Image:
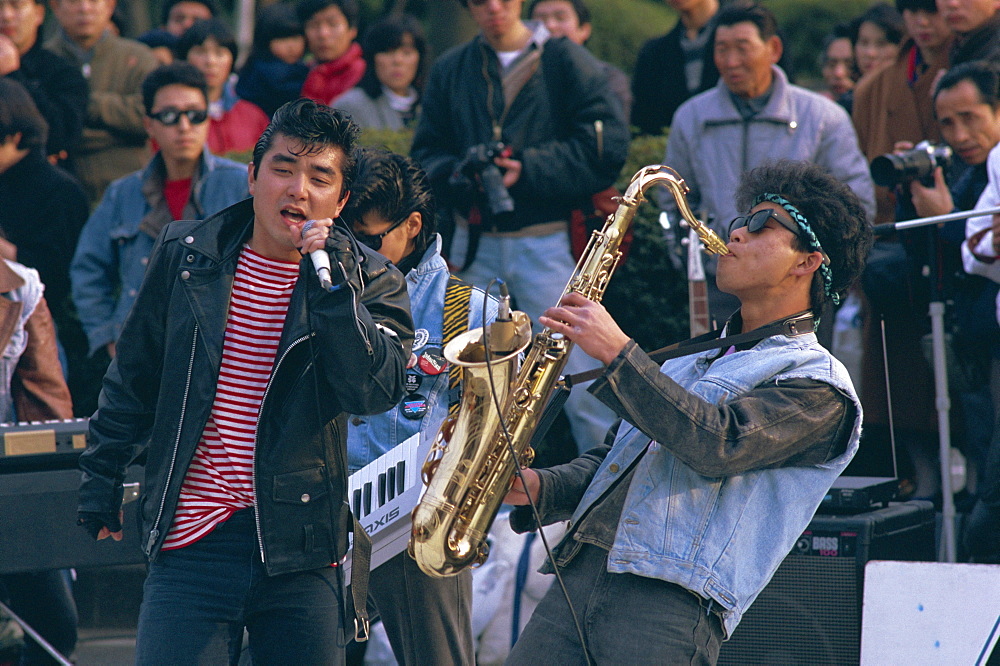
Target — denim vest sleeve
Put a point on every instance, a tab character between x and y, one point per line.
771	425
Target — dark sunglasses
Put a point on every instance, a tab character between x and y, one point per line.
754	222
170	116
375	241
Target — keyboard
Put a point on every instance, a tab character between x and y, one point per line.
42	445
382	495
40	480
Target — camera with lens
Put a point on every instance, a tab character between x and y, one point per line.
479	161
917	163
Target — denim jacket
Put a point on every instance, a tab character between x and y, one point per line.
368	437
721	538
112	253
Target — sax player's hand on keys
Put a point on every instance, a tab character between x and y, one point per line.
517	495
588	325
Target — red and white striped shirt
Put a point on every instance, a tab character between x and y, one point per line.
220	478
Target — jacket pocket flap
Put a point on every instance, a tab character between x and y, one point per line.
300	487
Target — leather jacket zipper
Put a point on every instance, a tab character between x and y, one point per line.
256	441
357	322
155	532
354	302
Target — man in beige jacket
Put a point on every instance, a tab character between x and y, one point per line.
114	139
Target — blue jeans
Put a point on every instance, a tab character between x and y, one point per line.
626	619
198	599
536	269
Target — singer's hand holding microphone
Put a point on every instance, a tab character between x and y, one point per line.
318	238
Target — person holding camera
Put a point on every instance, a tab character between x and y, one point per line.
967	109
518	129
967	105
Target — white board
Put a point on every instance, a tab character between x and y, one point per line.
919	613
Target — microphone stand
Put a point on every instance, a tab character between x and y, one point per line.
942	400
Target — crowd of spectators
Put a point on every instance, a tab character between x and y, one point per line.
105	140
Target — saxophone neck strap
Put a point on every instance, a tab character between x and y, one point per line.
793	326
457	303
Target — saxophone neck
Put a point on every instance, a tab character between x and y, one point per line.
658	174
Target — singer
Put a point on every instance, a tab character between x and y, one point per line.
722	457
234	375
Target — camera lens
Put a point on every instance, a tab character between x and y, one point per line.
888	170
915	164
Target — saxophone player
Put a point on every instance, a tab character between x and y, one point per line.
721	458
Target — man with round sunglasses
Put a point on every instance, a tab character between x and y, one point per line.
183	181
722	457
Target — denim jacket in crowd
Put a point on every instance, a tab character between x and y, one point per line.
112	253
368	437
722	538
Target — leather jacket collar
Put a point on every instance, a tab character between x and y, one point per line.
221	235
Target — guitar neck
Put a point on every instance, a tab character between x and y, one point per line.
698	307
698	316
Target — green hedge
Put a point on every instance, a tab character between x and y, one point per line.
621	26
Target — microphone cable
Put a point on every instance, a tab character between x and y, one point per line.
517	472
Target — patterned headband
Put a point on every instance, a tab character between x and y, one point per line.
824	270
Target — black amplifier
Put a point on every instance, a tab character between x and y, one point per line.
39	488
810	612
38	529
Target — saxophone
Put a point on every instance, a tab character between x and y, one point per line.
474	456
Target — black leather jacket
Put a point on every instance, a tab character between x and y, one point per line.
159	390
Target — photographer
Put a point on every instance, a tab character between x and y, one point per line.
967	110
518	129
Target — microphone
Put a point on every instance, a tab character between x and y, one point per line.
320	261
503	310
503	331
